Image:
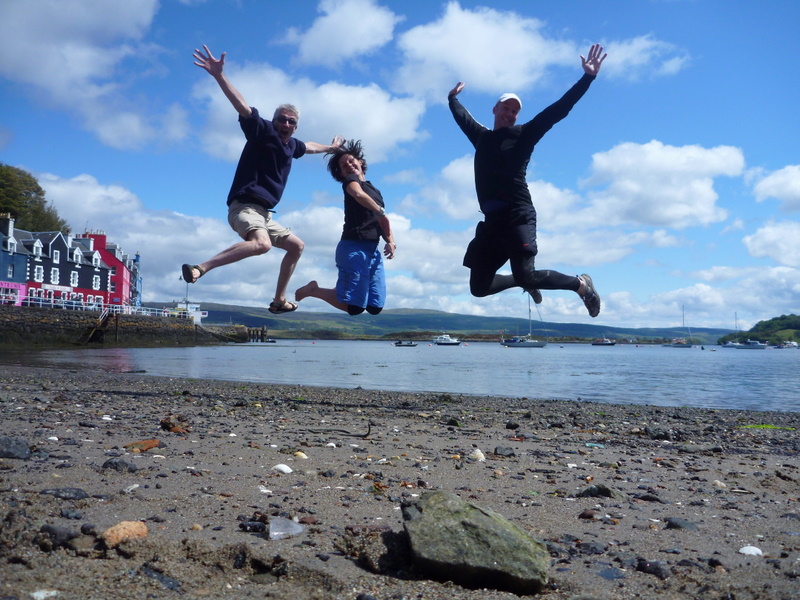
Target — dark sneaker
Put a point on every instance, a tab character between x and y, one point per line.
536	295
591	298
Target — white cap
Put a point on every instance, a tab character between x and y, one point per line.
510	96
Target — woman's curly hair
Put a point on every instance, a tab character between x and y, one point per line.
352	147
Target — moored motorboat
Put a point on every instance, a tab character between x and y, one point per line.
603	342
405	344
752	345
446	340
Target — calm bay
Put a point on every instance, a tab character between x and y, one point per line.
708	377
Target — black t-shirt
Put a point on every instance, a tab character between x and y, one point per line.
360	223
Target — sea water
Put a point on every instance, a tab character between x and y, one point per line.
706	377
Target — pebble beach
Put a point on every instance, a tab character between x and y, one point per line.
123	485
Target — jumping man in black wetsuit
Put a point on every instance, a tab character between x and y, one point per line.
508	231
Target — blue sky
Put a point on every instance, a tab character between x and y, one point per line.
675	182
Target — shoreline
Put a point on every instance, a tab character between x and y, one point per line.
734	475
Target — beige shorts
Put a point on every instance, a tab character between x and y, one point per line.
245	217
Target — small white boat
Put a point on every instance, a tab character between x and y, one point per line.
405	344
446	340
753	345
731	345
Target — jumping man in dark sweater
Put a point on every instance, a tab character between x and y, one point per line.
258	184
508	231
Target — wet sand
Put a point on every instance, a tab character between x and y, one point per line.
689	489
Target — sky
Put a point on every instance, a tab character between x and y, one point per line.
674	182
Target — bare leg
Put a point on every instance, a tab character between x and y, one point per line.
257	242
312	290
294	249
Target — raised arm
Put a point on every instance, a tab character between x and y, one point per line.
367	202
591	66
315	148
214	67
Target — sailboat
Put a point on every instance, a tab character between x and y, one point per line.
731	343
525	341
681	342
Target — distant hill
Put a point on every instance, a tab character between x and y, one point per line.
421	323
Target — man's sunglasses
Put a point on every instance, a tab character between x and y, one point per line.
282	119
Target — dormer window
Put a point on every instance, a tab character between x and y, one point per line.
96	260
37	249
76	256
56	256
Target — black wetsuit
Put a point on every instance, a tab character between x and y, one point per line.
508	231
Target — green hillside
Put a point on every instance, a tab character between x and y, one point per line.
421	324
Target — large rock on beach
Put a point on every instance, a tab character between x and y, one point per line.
454	540
14	448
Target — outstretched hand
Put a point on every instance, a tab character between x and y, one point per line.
208	62
591	65
456	90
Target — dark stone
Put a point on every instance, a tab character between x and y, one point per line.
165	580
654	567
504	451
612	573
601	491
121	465
678	523
253	526
66	493
56	537
14	448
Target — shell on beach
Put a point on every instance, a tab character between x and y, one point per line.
751	551
282	468
477	455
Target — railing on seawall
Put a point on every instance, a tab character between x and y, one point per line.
105	309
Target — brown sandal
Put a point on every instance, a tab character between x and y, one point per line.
188	275
278	308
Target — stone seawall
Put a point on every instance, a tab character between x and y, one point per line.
51	327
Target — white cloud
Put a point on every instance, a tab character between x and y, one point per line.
451	193
643	56
658	185
347	29
778	242
475	45
75	60
365	112
783	185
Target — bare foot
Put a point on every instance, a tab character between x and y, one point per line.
306	291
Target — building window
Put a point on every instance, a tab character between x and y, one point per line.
37	250
56	256
54	276
38	274
76	256
112	287
73	279
12	246
96	260
96	282
11	271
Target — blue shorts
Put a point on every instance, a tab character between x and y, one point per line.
362	281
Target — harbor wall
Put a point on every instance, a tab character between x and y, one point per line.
35	327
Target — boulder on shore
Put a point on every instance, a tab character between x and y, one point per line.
454	540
